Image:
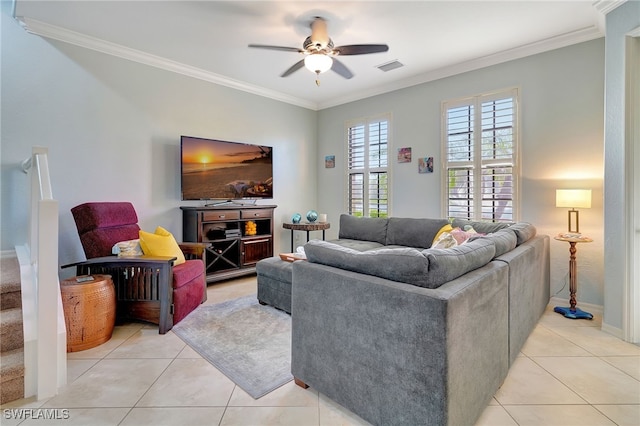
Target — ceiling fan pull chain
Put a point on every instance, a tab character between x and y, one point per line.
317	79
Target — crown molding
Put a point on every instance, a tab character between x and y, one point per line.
552	43
606	6
54	32
78	39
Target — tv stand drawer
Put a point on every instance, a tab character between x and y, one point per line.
255	214
220	215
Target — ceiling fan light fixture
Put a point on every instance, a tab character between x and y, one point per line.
318	63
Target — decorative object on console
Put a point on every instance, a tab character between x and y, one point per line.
312	216
322	218
296	218
250	228
573	198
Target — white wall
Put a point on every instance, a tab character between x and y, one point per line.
562	116
113	130
620	21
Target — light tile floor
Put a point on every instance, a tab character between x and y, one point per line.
568	373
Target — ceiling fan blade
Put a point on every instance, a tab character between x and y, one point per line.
341	69
295	67
281	48
361	49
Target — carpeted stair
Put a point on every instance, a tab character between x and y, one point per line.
11	334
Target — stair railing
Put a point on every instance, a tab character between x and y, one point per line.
45	332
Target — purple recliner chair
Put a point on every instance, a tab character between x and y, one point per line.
147	288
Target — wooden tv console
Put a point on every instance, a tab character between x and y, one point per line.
235	245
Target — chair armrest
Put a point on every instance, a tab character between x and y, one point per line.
123	260
193	250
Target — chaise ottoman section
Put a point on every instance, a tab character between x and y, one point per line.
274	283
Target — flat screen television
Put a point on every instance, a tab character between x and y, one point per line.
212	169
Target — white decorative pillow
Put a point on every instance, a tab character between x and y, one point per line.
445	240
127	248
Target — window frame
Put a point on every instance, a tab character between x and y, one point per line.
366	122
477	163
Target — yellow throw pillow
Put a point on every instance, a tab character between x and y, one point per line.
445	228
161	243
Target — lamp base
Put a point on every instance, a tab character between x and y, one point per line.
575	313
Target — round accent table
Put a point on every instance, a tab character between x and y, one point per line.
316	226
89	304
573	311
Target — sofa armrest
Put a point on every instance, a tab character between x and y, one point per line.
395	353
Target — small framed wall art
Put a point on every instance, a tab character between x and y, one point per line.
329	161
404	155
425	165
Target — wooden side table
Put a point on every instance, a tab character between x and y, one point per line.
319	226
572	311
89	311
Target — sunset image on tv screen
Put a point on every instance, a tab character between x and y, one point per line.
213	169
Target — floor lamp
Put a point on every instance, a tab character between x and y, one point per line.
573	198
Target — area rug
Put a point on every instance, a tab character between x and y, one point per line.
248	342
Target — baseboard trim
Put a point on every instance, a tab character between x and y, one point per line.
614	331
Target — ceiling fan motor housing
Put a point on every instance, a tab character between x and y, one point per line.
310	45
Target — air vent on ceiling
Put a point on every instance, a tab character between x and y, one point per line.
390	65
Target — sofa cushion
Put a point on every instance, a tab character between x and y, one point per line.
405	265
359	245
482	227
363	228
505	240
524	231
413	232
428	268
188	271
448	264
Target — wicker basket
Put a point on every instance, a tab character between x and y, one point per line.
89	311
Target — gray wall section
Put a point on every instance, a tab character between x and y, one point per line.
620	22
562	127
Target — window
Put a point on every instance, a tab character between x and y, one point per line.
480	140
368	162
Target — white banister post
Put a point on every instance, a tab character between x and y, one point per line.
48	294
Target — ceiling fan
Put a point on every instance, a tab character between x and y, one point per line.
320	53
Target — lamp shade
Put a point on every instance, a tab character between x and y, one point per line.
573	198
318	62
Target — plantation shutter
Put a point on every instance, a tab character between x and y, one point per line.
479	145
368	189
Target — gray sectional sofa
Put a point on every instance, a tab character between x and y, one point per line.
404	334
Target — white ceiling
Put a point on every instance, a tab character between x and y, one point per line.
208	39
